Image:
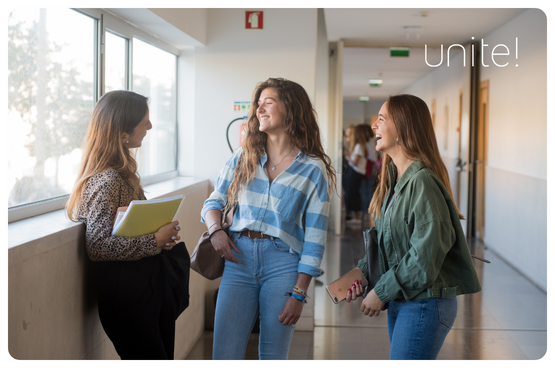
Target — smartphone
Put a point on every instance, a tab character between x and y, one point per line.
337	290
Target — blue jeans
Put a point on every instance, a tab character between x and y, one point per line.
417	329
266	271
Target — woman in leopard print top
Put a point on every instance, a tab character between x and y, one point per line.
102	195
135	300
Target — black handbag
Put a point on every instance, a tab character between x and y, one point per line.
372	259
178	265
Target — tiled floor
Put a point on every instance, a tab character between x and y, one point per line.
507	320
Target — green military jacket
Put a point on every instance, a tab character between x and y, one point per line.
421	237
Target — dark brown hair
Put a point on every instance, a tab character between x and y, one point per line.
368	131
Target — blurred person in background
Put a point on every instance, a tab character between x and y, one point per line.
356	170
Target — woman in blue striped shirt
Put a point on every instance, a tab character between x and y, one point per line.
279	183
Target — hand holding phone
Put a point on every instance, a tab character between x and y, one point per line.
354	292
338	289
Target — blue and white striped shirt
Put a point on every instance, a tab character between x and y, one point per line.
293	208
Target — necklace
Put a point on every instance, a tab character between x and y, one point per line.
274	165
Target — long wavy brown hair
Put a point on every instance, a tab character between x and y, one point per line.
413	122
116	112
301	127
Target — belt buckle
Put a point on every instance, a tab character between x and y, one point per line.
254	235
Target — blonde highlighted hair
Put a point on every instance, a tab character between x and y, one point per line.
116	112
413	122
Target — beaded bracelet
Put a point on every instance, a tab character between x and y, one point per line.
300	291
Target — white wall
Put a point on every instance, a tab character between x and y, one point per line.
186	113
234	61
516	171
335	123
516	167
191	21
322	79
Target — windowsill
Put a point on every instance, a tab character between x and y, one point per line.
43	226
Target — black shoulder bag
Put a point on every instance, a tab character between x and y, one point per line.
372	259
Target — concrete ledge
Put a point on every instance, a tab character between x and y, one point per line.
52	310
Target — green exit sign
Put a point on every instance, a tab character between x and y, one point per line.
399	52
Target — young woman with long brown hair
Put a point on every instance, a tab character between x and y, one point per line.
424	258
367	184
135	302
356	171
279	183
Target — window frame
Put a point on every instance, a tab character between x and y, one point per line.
107	22
128	58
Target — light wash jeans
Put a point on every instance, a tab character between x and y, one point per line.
266	271
417	329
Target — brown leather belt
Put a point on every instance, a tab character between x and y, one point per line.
254	235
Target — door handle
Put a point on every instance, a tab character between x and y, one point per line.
460	165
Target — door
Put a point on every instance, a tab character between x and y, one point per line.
481	157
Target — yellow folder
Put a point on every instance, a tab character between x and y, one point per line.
146	217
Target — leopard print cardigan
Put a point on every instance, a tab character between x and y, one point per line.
102	195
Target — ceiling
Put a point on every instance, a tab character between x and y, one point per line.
368	34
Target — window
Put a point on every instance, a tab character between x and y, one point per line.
155	76
60	61
50	100
115	61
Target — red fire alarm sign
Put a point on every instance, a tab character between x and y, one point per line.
254	19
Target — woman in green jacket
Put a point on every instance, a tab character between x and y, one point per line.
424	258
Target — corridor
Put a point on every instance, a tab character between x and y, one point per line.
482	72
495	324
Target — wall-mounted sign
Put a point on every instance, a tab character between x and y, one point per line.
254	19
242	106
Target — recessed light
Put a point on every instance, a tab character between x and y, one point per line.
375	82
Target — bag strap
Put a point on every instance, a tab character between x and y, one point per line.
227	218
